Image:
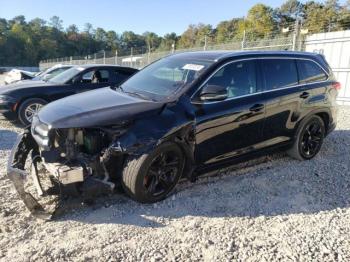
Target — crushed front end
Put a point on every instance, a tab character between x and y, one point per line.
46	165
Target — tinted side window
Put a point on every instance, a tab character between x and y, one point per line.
239	78
279	73
96	76
310	72
122	75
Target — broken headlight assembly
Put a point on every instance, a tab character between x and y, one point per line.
63	163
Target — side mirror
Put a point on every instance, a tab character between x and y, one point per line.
213	93
46	77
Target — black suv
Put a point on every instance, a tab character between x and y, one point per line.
175	118
22	100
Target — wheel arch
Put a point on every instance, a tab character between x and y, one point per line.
324	114
24	99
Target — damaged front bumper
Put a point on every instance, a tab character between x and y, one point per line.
43	185
16	172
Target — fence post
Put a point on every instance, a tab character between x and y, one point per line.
131	51
243	40
116	57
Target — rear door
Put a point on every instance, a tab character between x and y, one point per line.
285	98
231	127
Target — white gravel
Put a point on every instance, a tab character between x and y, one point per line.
270	209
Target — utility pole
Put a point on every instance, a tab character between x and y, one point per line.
296	35
244	34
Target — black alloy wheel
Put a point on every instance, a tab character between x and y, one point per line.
311	139
163	173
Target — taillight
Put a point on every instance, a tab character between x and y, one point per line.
336	85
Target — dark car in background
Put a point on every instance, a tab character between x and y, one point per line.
175	118
23	100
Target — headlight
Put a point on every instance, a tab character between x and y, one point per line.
40	128
4	99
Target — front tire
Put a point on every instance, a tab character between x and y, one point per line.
151	177
28	109
309	139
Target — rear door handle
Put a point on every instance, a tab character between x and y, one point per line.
256	108
304	95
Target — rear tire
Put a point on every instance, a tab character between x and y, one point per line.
151	177
309	139
28	109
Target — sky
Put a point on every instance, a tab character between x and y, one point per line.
159	16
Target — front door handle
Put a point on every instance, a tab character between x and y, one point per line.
256	108
304	95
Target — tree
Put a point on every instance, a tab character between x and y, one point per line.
195	35
259	22
288	13
168	41
152	40
344	16
227	30
56	23
112	41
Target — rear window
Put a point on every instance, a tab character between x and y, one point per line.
279	73
310	72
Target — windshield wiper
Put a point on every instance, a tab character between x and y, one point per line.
135	94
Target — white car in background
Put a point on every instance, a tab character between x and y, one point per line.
51	72
16	75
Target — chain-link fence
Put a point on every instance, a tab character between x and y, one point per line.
140	59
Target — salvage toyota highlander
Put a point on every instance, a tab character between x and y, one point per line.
175	118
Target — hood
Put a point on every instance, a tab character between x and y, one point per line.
24	84
100	107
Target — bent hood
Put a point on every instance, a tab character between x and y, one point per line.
100	107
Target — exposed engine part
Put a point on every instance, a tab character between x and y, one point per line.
71	146
64	173
93	142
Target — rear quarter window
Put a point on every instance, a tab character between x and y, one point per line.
279	73
122	75
310	72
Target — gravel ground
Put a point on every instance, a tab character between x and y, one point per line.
272	208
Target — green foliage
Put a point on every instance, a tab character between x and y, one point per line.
26	43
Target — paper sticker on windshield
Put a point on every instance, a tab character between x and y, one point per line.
193	67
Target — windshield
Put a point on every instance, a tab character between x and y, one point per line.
66	75
165	77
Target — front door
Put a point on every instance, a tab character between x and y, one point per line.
231	127
93	79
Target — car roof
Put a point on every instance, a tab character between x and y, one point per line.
104	65
224	54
